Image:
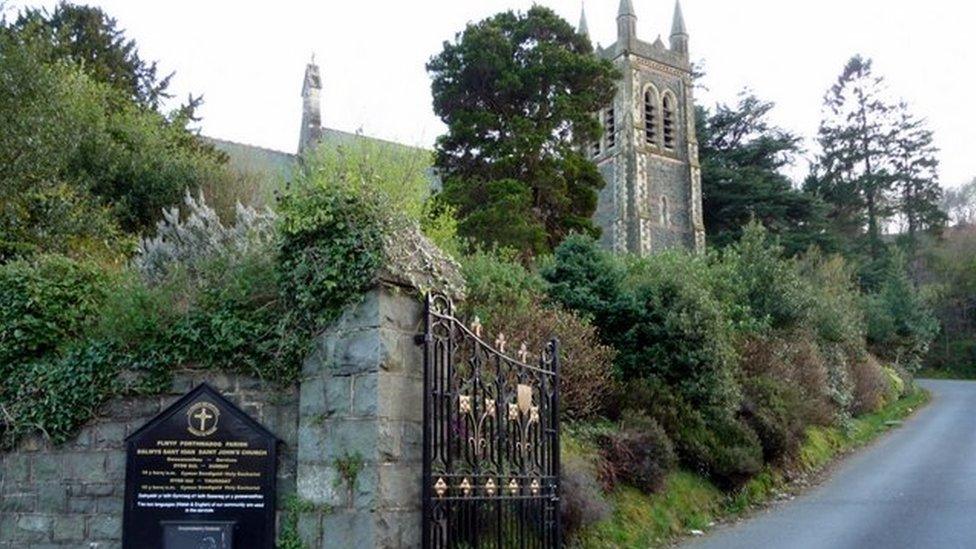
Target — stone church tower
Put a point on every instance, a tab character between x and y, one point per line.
648	154
311	131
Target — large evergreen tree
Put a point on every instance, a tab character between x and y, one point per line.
517	92
87	36
916	177
742	156
854	169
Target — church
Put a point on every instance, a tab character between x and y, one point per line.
648	154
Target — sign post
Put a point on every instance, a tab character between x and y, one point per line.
201	474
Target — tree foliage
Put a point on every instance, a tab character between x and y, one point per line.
79	163
91	39
517	92
877	163
742	156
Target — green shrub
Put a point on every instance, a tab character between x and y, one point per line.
582	502
871	385
509	300
57	393
44	303
331	248
659	313
774	410
769	284
496	280
794	360
584	277
900	325
837	310
680	334
639	455
709	441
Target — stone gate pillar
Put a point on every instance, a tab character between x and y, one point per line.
360	427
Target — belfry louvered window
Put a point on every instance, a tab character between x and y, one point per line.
668	107
610	128
650	117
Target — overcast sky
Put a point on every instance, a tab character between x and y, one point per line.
247	58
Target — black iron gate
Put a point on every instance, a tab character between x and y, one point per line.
491	438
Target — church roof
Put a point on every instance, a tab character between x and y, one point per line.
280	165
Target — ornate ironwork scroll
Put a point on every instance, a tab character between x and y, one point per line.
491	438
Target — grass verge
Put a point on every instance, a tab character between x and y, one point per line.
932	373
692	503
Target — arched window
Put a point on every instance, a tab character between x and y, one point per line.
670	125
665	213
610	128
650	116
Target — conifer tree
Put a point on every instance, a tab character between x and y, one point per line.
916	177
854	172
517	92
742	156
89	37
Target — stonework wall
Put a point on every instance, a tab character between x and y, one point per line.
72	495
362	397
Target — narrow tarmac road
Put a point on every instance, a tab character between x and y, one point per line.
914	488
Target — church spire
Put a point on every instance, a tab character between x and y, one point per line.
311	130
679	33
584	29
626	23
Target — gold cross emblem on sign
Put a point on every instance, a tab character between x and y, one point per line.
202	418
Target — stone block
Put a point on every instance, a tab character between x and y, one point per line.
46	467
397	529
115	466
312	443
15	468
312	396
348	530
19	502
317	484
399	487
52	497
99	489
401	397
110	435
310	528
85	467
349	437
337	400
110	505
85	505
366	395
365	313
83	440
365	489
105	527
399	352
33	527
8	525
400	311
389	441
356	352
69	528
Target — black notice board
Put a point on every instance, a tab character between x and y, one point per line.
200	474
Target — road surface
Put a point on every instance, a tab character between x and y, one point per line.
914	488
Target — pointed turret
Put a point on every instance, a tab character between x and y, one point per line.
311	131
626	24
584	29
679	33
